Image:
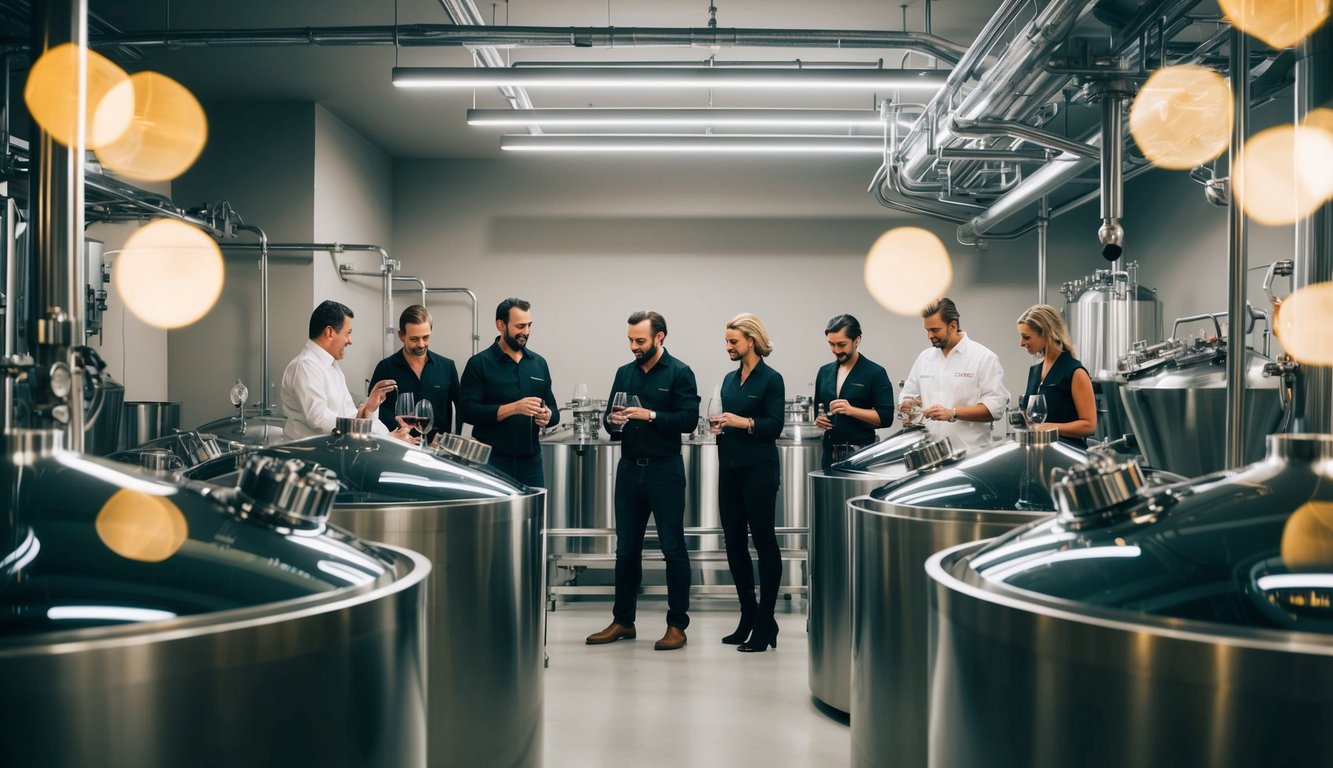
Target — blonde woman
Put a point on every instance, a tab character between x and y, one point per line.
1059	377
753	396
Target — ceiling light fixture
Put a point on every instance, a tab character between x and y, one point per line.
928	80
678	118
867	145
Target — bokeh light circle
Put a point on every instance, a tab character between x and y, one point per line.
140	526
1181	117
169	274
1280	23
165	137
906	269
51	95
1282	174
1304	324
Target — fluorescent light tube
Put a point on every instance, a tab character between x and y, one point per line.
677	118
692	144
928	80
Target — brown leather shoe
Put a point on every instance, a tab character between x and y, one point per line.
611	634
674	639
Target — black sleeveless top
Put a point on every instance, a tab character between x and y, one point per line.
1058	387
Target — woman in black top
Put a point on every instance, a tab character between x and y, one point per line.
1070	407
752	398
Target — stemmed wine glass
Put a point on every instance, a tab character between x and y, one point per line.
1036	409
406	407
714	413
425	417
619	402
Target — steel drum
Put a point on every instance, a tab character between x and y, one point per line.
830	566
484	533
148	623
1151	627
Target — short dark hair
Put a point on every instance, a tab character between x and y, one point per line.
502	310
655	321
945	308
413	315
844	322
329	314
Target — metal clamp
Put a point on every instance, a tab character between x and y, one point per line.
931	455
1091	494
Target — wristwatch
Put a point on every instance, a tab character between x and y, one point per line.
953	415
652	416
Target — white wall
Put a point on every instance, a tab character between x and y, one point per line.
589	241
135	353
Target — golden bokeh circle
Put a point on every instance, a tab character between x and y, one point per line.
169	274
140	526
1282	174
1280	23
165	137
52	96
1181	118
906	269
1304	324
1307	538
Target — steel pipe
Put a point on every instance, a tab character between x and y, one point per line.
1002	155
263	310
1015	129
1043	224
1112	234
1236	261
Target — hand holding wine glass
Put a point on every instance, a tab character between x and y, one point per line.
715	415
616	420
405	409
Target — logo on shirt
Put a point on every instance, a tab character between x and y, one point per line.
536	378
964	375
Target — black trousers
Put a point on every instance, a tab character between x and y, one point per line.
525	469
651	487
747	498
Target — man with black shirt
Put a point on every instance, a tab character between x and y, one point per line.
421	372
853	393
506	396
650	478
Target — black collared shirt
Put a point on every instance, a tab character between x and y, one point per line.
438	384
667	388
867	386
491	379
762	398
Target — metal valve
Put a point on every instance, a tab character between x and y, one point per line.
296	492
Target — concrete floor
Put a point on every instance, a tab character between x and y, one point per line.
704	705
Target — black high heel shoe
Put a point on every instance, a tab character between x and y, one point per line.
742	629
760	639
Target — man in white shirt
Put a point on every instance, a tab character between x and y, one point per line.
959	382
314	389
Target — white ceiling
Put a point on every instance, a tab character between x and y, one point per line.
354	82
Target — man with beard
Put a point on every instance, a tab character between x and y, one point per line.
506	396
650	478
958	383
423	373
853	393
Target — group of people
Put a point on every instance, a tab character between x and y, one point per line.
955	387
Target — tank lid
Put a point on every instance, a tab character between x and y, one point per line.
348	426
1036	436
1091	494
931	454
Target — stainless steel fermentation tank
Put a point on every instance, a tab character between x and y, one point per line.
1159	627
151	624
580	490
1107	312
1175	396
484	534
953	497
829	625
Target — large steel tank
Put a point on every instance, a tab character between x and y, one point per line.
147	623
1153	627
484	533
1175	396
1107	312
580	489
829	622
952	498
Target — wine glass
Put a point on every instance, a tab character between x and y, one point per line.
1036	408
633	402
581	393
425	416
406	407
715	411
619	402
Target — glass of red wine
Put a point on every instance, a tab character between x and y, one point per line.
618	403
405	408
425	416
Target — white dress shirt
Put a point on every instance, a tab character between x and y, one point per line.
314	394
968	375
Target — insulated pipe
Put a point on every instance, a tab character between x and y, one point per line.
1043	223
1111	234
445	35
1235	420
56	216
1036	186
263	310
1015	129
1003	155
1314	235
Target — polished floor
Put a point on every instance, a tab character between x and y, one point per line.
704	705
